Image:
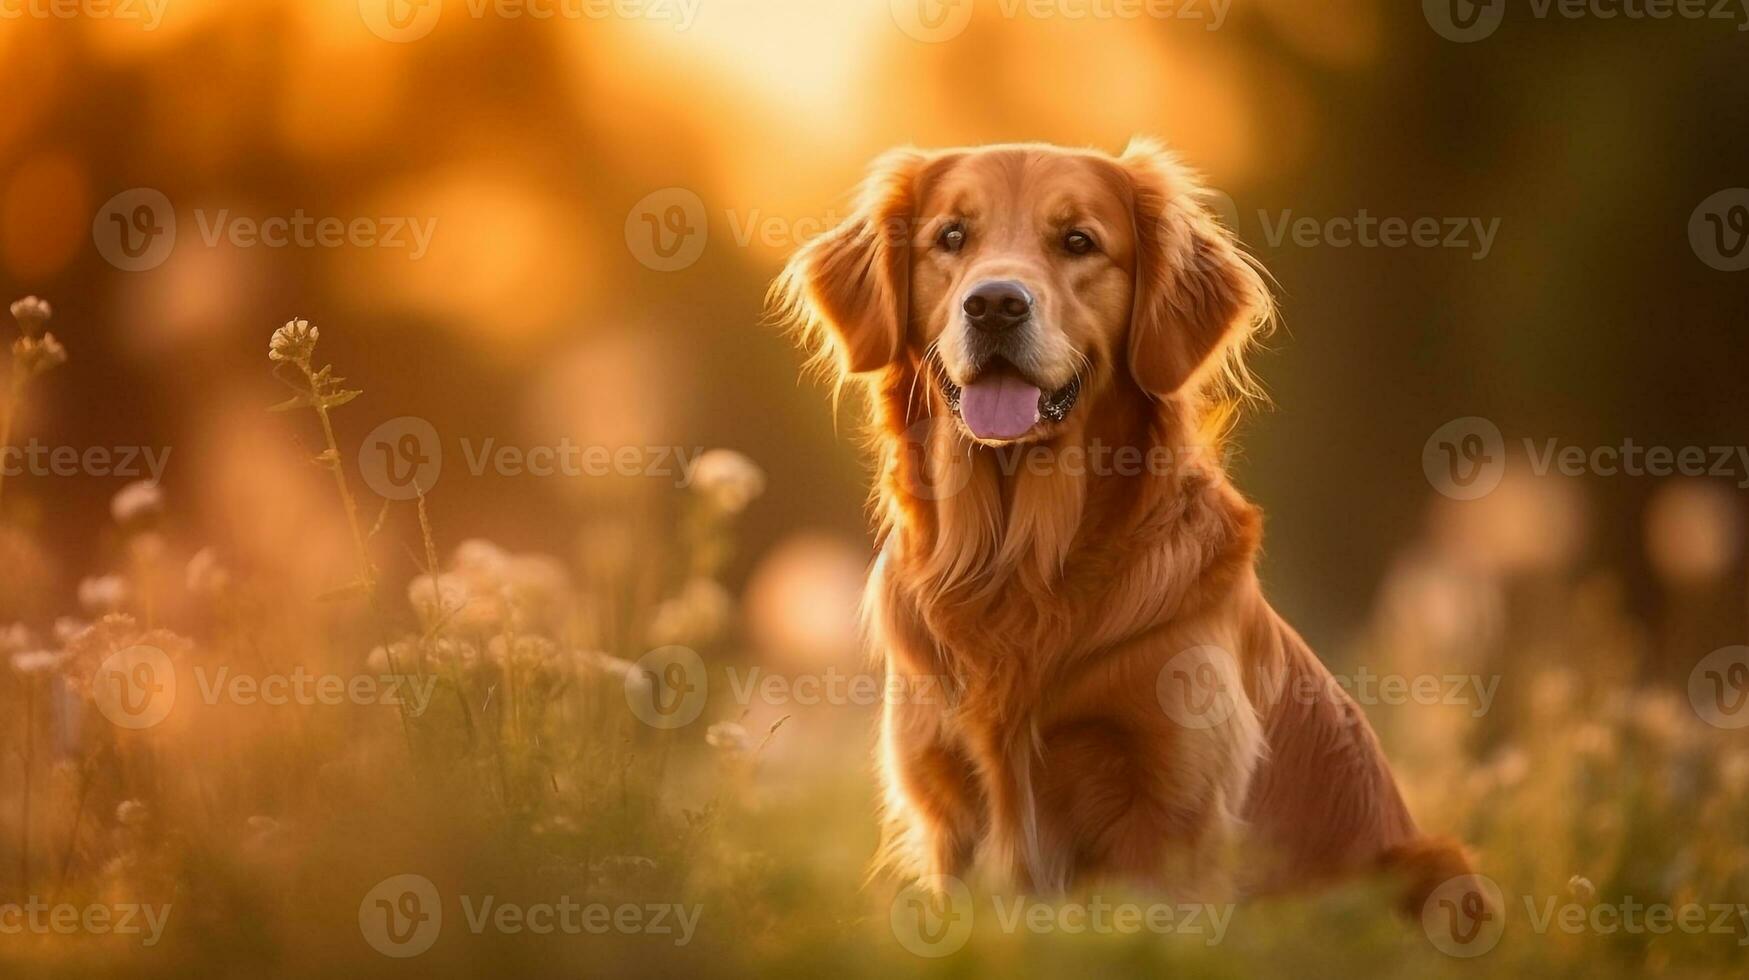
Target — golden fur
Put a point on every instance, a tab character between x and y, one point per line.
1056	601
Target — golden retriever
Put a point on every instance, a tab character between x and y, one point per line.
1048	337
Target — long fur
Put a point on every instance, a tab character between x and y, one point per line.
1047	607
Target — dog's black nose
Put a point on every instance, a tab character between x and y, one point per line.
997	305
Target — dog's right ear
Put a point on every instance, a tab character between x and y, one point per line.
848	290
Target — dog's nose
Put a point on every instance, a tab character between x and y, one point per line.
997	305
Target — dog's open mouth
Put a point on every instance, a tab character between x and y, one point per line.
1001	404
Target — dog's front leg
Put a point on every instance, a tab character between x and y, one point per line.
935	813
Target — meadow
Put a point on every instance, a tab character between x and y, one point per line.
466	760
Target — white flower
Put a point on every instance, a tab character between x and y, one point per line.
728	736
35	663
131	813
206	576
138	500
103	594
31	313
529	651
453	602
478	558
728	479
295	342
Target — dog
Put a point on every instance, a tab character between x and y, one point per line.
1050	341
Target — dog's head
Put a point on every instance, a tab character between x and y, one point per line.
1028	282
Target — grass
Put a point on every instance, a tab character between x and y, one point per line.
510	765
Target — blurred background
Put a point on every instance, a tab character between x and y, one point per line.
526	144
552	223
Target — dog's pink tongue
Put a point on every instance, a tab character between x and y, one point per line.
999	406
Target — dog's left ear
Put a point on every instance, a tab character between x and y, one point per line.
1198	297
849	289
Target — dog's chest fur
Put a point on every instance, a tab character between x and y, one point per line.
1026	663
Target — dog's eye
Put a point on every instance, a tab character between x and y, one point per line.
952	238
1078	242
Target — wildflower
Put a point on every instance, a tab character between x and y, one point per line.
529	651
36	663
105	593
450	652
37	355
480	559
206	577
139	500
728	736
727	479
449	600
392	658
31	313
131	813
701	612
294	342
